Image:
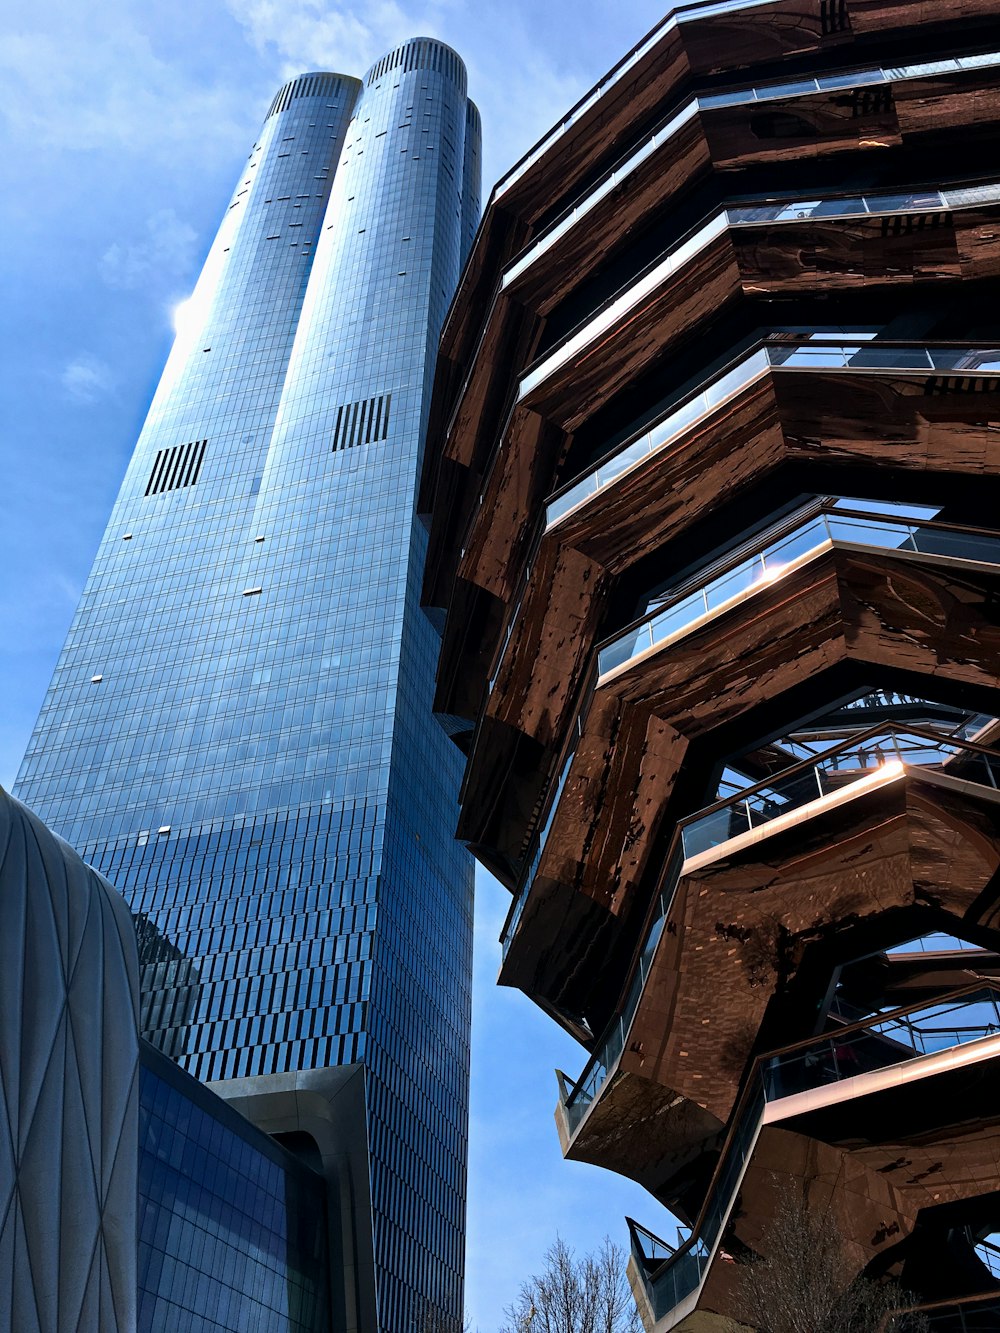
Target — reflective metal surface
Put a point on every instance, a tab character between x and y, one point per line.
239	729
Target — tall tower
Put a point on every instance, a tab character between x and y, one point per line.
239	733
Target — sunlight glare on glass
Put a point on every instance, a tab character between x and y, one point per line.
770	572
181	315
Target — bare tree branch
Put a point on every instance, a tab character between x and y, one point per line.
570	1295
801	1283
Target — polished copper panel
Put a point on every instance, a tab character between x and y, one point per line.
476	353
743	264
846	614
575	782
784	430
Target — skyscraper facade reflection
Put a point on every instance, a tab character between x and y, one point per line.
238	732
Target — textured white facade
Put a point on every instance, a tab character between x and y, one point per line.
69	1054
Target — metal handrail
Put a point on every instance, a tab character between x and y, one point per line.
616	1033
755	1094
853	743
756	360
675	15
768	544
766	92
718	223
876	733
537	847
988	1302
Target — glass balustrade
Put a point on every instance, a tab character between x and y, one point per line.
774	559
922	201
590	1082
644	284
524	891
965	1016
771	92
618	306
511	622
674	424
937	942
651	1250
873	753
988	1252
568	220
974	1314
844	79
884	698
884	1041
813	355
677	14
865	754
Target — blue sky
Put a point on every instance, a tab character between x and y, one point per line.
123	127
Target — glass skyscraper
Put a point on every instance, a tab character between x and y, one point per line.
239	730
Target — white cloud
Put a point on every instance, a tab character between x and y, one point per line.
521	93
86	379
81	78
163	255
313	34
521	85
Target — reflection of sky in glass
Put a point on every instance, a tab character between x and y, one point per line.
239	729
826	354
876	755
777	557
747	96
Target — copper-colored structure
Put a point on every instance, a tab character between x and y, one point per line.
714	486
